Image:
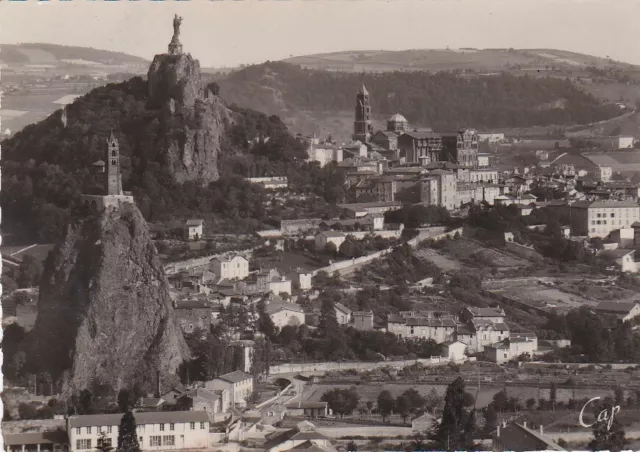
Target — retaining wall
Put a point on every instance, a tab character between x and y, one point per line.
333	366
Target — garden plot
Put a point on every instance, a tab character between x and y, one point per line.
442	261
480	256
544	297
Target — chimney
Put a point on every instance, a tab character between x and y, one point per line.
498	431
524	424
541	430
158	384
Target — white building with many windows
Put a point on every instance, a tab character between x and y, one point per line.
233	267
238	384
600	218
158	430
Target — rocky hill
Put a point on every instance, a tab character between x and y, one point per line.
105	315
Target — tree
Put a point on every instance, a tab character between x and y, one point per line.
501	401
104	443
403	407
351	446
127	434
126	400
29	272
531	402
457	424
605	437
341	401
86	401
385	405
490	417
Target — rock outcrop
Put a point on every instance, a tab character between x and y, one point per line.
197	118
104	312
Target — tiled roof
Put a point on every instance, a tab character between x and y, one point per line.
343	308
154	417
235	377
17	439
603	204
195	222
272	308
435	323
613	306
485	312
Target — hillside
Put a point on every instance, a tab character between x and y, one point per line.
58	55
435	60
322	101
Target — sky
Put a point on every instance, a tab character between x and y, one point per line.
227	33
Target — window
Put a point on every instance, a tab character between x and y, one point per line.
113	153
88	430
155	441
613	215
109	429
114	162
172	427
162	425
192	425
78	430
104	442
140	440
83	444
201	425
168	440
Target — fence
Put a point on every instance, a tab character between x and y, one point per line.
347	266
337	366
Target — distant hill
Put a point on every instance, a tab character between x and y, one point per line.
58	55
323	101
434	60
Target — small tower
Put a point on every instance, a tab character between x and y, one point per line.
362	127
113	177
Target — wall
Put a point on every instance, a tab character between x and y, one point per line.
379	431
331	366
347	266
522	251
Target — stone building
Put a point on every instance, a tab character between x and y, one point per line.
362	127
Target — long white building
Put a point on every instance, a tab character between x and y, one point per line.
162	430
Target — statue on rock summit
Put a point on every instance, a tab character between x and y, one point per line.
175	48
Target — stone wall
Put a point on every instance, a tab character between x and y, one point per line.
335	366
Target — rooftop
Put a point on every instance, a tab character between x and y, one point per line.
195	222
17	439
235	377
617	307
142	418
603	204
276	307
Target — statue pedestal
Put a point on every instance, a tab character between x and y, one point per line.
175	48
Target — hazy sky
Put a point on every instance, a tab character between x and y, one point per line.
230	32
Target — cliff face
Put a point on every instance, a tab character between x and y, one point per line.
104	313
197	117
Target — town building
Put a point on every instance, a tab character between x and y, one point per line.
246	348
386	139
460	147
438	329
161	430
283	314
363	320
238	384
358	210
483	159
439	188
604	173
52	441
511	348
481	327
491	137
600	218
232	267
324	153
323	238
193	229
214	402
518	437
343	314
453	350
420	147
622	310
362	126
622	259
397	124
302	437
299	227
612	143
308	409
270	183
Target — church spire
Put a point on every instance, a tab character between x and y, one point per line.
363	90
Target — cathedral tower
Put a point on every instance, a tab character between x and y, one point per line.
362	128
112	174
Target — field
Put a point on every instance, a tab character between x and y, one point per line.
540	296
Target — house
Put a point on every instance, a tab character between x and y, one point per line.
496	315
170	397
510	348
453	350
599	218
420	147
193	315
480	333
623	259
283	314
363	320
149	404
161	430
439	188
55	441
302	437
623	311
238	384
343	314
280	284
438	329
308	409
246	348
422	423
232	267
518	438
483	159
193	229
326	237
214	402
